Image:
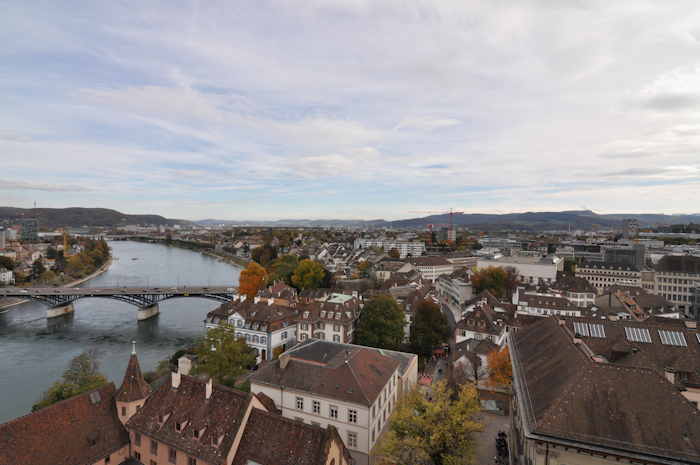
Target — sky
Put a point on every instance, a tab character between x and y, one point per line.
350	108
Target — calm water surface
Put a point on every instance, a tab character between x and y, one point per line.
35	351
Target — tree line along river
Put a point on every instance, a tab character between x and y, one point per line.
35	351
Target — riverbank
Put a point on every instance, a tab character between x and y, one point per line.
77	282
203	248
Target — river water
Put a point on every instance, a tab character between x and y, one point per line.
35	351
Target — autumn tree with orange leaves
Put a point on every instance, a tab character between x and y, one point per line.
500	368
253	278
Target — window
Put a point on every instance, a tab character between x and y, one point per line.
672	338
352	439
154	447
137	456
372	434
352	416
637	334
336	328
239	323
137	439
172	455
333	411
178	426
284	334
108	459
123	411
191	461
263	340
300	403
316	406
336	338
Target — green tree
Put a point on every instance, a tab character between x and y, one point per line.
497	280
37	269
308	275
265	254
223	356
381	324
252	279
51	253
363	269
82	375
429	328
394	253
282	268
7	262
440	431
48	277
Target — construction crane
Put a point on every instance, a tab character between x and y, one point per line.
441	212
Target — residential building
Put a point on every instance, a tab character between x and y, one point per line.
541	304
454	290
352	388
596	392
625	302
531	270
405	248
267	327
332	319
603	276
7	277
385	269
431	267
485	317
577	290
676	278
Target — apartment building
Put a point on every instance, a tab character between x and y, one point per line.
267	327
332	319
352	388
454	290
431	268
531	270
677	279
405	248
602	276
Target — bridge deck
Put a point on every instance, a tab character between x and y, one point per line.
113	291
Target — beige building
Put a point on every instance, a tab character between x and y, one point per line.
602	277
352	388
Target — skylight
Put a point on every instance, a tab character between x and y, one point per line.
581	328
597	330
637	334
672	338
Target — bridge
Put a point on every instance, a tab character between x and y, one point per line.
60	299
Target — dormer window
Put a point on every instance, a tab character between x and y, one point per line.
323	313
178	426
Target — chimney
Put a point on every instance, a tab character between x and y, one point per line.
208	389
175	379
284	360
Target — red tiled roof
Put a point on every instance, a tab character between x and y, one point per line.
219	416
272	439
133	387
80	430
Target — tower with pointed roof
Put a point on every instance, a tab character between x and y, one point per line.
134	389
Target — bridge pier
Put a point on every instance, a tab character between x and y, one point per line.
144	313
59	311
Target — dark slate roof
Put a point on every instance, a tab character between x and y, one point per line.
220	416
272	439
565	394
133	387
263	315
62	434
573	284
428	261
320	367
679	264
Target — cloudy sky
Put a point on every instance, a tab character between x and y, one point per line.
350	108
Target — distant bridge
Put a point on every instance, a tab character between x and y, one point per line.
60	299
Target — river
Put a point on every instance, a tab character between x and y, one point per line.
35	351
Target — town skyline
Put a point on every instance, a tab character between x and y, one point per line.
351	109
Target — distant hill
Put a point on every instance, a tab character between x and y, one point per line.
576	219
77	217
531	221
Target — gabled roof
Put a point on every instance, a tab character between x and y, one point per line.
272	439
565	395
133	387
220	416
338	371
76	431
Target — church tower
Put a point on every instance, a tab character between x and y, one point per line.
134	389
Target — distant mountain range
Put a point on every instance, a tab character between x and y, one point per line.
78	217
531	221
